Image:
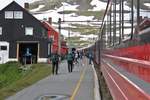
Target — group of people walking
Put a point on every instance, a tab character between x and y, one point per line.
72	58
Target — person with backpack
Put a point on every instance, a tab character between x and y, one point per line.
70	59
55	61
90	57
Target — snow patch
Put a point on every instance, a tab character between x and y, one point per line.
69	17
147	4
98	5
37	9
67	6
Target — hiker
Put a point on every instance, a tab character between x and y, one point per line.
55	61
70	59
90	56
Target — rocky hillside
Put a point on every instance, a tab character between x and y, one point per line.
52	4
82	33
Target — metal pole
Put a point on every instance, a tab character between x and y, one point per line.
132	19
122	19
138	13
59	36
63	13
114	22
120	37
110	25
69	38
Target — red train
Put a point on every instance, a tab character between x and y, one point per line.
126	67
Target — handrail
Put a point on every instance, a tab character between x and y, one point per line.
109	3
141	62
141	68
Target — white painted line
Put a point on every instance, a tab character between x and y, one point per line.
96	85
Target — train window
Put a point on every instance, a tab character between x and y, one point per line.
3	47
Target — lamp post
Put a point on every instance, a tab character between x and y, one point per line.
59	36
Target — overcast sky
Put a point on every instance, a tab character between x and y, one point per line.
4	3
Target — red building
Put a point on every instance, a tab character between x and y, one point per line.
52	33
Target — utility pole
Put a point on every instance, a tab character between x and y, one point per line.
63	13
69	38
59	36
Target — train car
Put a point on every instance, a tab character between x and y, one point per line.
126	67
137	48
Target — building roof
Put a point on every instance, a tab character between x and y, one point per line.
23	9
49	26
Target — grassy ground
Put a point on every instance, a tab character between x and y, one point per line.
12	79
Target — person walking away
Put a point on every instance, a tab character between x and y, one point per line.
55	61
90	57
70	59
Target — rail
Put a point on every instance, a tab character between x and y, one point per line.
137	67
121	84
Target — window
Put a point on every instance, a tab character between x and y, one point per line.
52	37
9	14
0	30
29	31
18	15
13	15
3	48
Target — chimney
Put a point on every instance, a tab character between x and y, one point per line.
26	6
50	20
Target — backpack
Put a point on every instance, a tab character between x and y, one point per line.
55	58
69	57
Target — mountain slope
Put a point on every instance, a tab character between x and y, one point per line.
84	33
79	10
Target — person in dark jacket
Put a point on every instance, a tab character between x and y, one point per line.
55	61
70	59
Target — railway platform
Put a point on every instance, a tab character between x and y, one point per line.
81	84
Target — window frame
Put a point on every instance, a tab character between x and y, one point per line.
1	30
26	31
7	16
18	14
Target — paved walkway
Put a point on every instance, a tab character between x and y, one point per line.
78	85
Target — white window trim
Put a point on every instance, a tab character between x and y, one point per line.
9	15
18	15
1	30
13	15
29	31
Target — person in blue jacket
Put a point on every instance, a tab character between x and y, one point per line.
70	59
